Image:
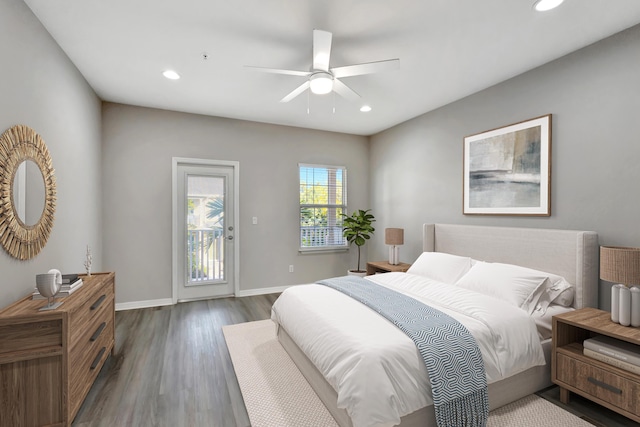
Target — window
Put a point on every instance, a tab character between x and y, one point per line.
323	198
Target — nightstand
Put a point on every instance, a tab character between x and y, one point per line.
600	382
385	267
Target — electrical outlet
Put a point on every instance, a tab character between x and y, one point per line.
291	268
255	220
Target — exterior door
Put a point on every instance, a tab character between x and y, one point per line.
204	229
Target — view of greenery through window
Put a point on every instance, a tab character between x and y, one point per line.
322	201
205	228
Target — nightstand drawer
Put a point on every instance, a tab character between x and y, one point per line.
606	386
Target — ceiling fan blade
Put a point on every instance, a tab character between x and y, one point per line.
345	91
280	71
367	68
297	91
321	49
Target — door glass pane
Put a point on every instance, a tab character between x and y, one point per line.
205	229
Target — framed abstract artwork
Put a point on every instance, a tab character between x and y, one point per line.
507	171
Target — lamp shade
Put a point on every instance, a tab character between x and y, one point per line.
394	236
620	265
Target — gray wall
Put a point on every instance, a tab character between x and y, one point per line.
42	89
138	145
594	96
416	167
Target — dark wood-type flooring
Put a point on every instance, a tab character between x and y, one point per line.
171	368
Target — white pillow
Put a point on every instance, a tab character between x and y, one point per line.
556	290
507	282
566	297
524	287
441	266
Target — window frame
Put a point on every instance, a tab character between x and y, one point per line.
343	206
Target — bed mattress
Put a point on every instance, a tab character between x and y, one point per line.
375	369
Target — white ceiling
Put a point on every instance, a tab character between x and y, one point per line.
448	49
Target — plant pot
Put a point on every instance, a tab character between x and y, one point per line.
356	273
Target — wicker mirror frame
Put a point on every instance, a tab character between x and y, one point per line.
18	144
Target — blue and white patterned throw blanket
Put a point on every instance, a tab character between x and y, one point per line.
449	351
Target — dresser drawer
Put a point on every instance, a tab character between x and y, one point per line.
608	387
92	329
81	358
85	364
84	317
20	340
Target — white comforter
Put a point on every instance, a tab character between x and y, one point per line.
375	368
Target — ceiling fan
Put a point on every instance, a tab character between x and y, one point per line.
321	78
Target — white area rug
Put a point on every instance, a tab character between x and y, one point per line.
277	395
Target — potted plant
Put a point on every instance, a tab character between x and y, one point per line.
357	229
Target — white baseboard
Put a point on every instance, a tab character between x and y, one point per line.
143	304
261	291
122	306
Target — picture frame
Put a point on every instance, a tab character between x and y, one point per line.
507	171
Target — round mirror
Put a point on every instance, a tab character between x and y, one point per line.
27	192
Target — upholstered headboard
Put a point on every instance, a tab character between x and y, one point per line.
568	253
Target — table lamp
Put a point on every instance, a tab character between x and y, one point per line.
622	266
394	237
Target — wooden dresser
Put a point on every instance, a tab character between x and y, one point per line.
50	359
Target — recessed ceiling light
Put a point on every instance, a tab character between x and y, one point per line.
544	5
171	75
365	108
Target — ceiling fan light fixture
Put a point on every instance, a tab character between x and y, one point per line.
544	5
321	83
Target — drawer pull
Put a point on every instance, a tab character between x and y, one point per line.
98	331
604	385
98	302
96	361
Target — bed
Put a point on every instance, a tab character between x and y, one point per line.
313	311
